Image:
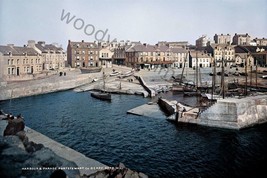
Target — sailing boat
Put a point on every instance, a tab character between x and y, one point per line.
102	95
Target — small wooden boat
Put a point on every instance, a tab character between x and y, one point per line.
127	74
264	76
86	70
101	95
114	73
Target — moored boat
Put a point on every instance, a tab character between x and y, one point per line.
86	70
101	95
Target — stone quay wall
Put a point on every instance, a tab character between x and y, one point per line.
236	113
42	88
230	113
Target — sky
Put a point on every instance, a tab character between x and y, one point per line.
148	21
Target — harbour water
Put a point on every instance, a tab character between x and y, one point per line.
103	131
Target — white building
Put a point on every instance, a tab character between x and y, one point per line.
200	59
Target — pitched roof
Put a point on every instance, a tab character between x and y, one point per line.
48	47
198	54
83	44
15	50
246	49
178	50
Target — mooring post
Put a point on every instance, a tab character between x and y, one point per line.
177	113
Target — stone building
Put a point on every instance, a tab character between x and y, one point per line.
19	62
253	54
105	57
222	39
202	42
179	57
222	51
174	44
148	56
119	55
241	39
83	54
54	57
260	41
153	56
200	59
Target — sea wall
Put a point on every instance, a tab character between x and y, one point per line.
167	106
236	113
41	88
231	113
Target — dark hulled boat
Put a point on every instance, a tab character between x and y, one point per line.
101	95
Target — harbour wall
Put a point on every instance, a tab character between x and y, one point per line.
230	113
42	88
236	113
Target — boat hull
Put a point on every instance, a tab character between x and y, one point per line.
90	70
101	96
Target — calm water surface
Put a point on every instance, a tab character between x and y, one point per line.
103	131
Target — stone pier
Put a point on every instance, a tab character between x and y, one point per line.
230	113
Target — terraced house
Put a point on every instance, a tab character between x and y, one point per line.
54	57
152	56
200	59
19	62
83	54
222	51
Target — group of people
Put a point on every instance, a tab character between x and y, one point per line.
9	116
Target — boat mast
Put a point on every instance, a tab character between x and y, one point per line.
256	74
104	83
222	75
213	78
246	75
196	68
184	67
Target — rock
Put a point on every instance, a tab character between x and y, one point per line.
121	172
131	174
58	174
14	126
121	165
32	147
142	175
14	159
21	135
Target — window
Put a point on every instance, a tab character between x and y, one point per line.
8	71
17	61
8	62
12	61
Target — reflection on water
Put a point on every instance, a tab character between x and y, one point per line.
103	131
